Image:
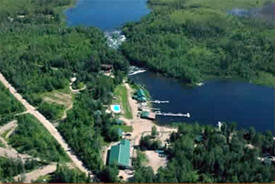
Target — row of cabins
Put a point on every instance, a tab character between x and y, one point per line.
140	96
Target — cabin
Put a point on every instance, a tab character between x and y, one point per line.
106	67
148	115
120	154
140	96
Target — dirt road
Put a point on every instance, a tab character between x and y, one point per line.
48	125
8	126
31	176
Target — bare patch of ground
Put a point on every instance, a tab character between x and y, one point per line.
154	160
8	126
33	175
61	99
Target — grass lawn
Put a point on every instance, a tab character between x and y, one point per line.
122	99
125	128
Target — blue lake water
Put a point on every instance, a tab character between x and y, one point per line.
223	100
107	15
230	101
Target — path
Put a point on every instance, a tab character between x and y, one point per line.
11	153
34	175
8	126
48	125
73	79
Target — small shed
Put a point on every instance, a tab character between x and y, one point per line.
148	115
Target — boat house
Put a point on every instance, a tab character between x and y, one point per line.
120	154
148	115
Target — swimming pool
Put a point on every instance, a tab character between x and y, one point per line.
116	108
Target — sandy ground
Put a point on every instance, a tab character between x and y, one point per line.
33	175
75	90
154	160
125	174
142	125
48	125
12	153
8	126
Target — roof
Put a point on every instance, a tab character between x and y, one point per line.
144	114
120	153
140	93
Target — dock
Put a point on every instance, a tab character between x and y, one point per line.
159	101
173	114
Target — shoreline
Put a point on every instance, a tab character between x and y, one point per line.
141	126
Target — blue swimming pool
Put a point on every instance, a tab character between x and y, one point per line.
116	107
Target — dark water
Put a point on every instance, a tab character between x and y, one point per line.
107	15
229	101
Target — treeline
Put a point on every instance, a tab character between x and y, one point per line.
13	167
32	138
199	40
9	105
206	154
65	175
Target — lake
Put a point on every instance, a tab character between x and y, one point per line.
107	15
221	100
230	101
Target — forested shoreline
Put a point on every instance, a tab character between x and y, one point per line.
195	40
39	56
203	153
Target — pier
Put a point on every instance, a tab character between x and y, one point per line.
159	101
173	114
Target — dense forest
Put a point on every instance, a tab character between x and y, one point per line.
39	55
14	167
32	138
200	153
9	106
64	174
196	40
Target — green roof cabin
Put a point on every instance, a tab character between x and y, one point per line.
148	115
140	96
120	154
140	93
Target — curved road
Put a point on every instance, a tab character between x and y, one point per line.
48	125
